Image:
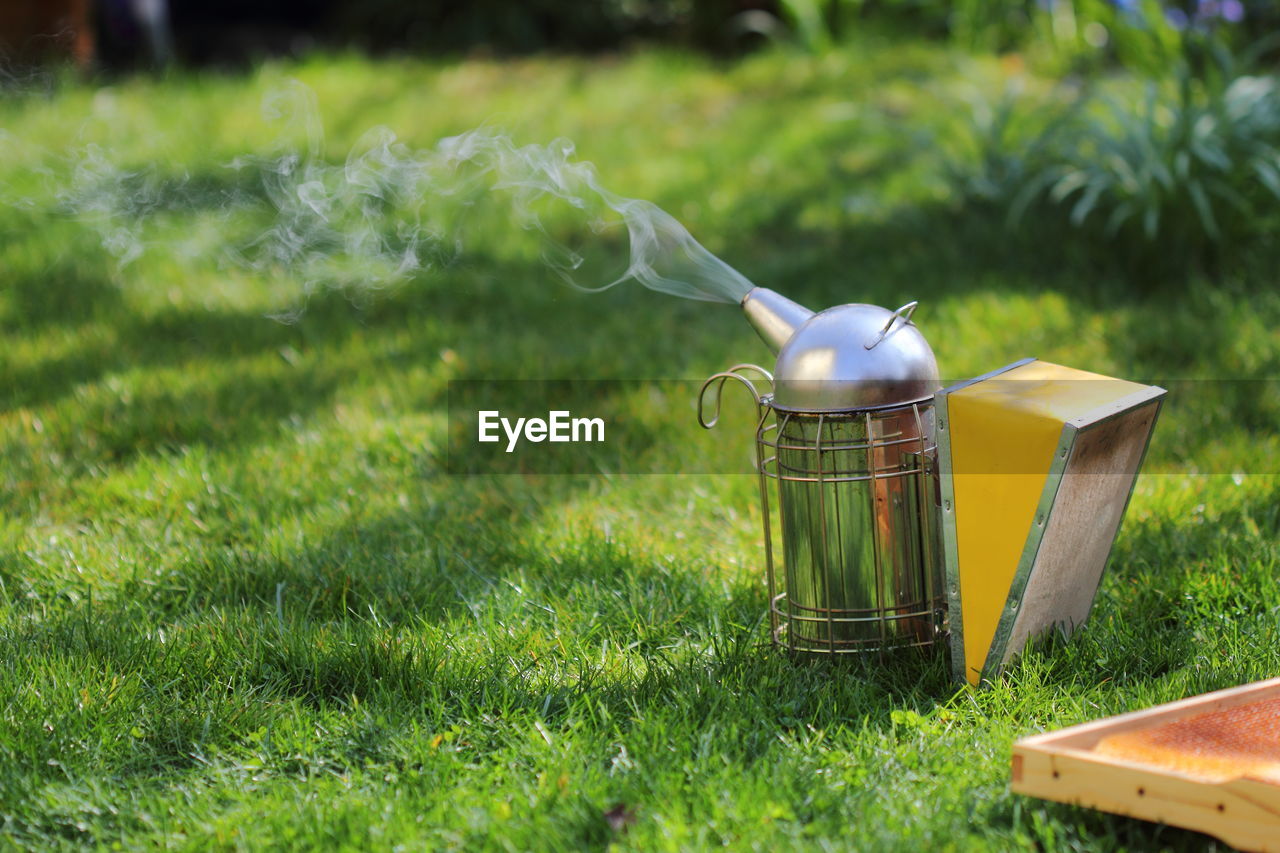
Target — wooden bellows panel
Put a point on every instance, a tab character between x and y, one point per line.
1080	529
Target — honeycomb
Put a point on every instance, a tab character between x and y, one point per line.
1215	746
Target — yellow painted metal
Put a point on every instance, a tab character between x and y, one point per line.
1004	431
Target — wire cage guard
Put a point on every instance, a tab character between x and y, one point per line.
857	500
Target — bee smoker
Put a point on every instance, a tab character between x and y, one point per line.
846	433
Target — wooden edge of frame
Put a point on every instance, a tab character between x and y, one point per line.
1242	812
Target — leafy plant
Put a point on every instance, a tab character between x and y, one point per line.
1082	35
1182	170
1203	169
810	25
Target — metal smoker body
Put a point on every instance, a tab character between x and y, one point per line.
846	430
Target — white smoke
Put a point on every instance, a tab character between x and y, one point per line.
392	211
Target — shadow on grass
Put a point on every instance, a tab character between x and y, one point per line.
367	621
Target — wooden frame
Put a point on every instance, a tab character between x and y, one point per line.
1065	766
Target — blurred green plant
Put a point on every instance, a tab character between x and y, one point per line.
1058	35
1180	173
811	26
814	26
1187	162
982	25
1084	35
1064	36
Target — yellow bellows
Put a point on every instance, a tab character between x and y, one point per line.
1037	463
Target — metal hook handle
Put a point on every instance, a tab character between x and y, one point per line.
718	379
904	313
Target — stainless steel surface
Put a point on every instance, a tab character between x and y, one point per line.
844	358
904	314
774	317
857	497
846	432
826	367
925	494
737	373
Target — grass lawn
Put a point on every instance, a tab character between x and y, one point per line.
243	606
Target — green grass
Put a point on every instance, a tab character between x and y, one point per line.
242	605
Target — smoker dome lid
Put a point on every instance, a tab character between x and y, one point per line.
855	357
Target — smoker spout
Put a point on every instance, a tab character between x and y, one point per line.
774	316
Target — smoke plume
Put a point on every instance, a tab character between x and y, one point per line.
391	211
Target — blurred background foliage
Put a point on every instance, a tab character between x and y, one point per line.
1158	140
1060	34
1171	172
